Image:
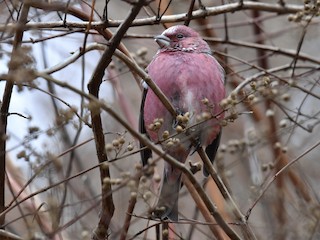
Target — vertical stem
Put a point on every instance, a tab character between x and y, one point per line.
132	203
165	230
273	138
107	208
215	229
4	109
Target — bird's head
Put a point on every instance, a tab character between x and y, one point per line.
181	38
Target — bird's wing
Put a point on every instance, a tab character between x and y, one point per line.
146	153
211	151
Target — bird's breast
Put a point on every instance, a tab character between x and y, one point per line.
187	79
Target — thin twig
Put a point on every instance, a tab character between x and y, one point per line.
189	14
201	206
144	230
225	193
301	40
282	51
282	170
127	221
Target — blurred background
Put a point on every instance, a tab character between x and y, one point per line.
268	157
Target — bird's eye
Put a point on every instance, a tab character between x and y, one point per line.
180	35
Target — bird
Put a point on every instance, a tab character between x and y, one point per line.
194	82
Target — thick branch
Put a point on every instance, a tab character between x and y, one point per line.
94	86
200	13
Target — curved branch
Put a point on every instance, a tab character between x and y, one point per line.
200	13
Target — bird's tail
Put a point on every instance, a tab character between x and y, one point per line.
167	206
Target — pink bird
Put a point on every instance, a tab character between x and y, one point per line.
192	79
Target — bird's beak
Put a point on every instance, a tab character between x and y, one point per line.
162	41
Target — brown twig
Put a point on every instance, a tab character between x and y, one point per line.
189	14
127	221
225	193
273	139
6	103
144	230
199	13
201	206
276	175
94	85
165	230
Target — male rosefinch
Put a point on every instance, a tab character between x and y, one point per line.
193	81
